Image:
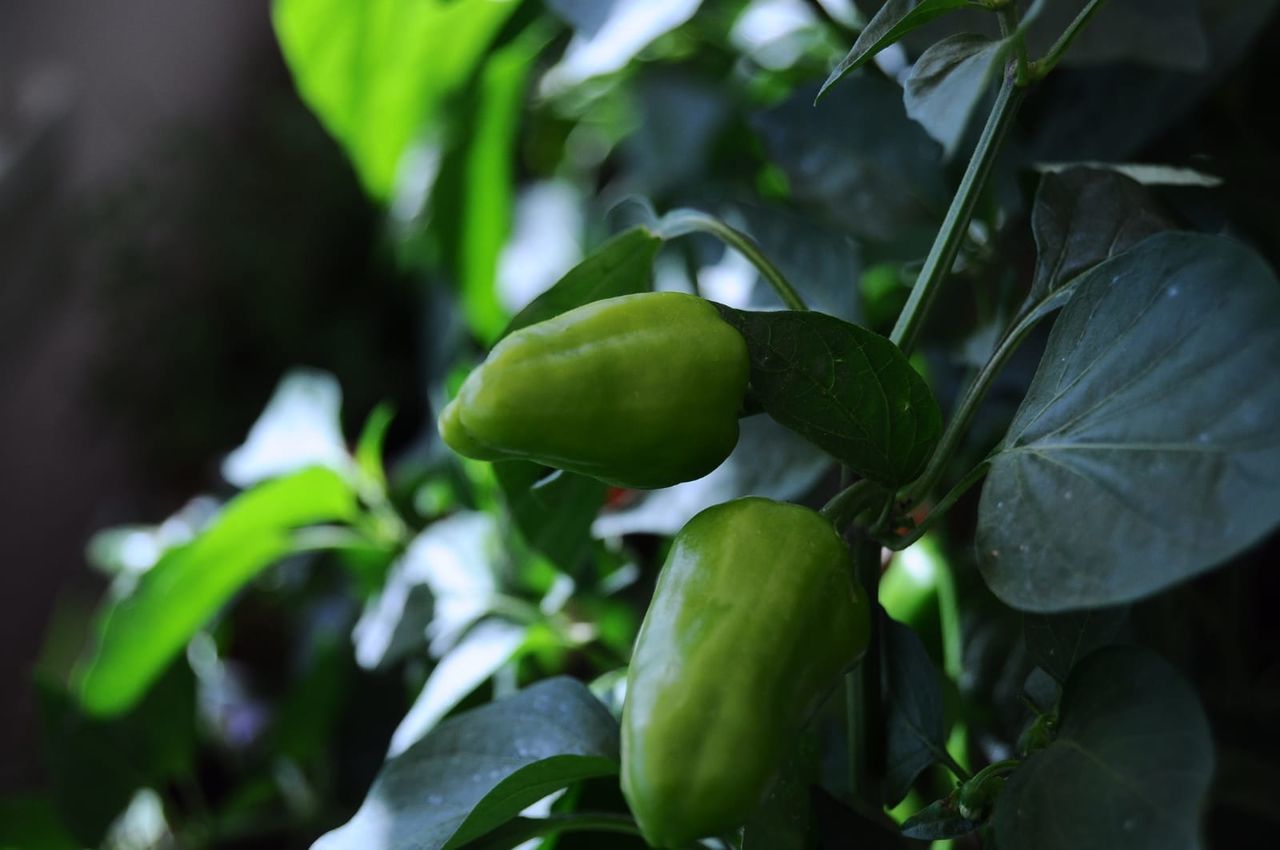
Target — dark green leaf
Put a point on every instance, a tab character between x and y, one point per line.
914	718
947	83
1130	767
377	73
895	19
847	389
1110	113
31	823
1146	450
479	769
860	158
1083	216
554	514
938	821
621	266
1161	33
97	764
1057	641
842	826
784	818
139	635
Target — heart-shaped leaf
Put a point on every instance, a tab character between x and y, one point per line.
1147	448
1130	767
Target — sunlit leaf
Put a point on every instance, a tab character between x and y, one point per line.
489	184
1150	426
377	72
608	33
476	657
299	427
844	388
621	266
1130	767
479	769
139	635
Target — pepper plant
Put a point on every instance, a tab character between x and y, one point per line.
1023	403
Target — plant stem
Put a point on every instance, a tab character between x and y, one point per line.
863	701
956	223
680	222
1046	63
940	509
968	406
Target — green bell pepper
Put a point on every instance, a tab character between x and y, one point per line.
639	391
755	615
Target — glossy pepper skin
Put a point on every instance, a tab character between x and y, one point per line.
640	391
755	616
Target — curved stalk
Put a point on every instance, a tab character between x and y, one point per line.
680	222
956	223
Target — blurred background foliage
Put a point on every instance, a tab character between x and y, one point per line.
249	250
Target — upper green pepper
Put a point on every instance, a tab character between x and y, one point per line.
639	391
755	615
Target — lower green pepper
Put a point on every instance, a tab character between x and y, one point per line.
640	391
755	615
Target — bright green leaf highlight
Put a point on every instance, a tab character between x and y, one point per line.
490	176
139	635
377	72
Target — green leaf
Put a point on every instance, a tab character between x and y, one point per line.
858	157
31	823
368	452
139	635
1130	767
377	73
895	19
490	162
97	764
479	769
1082	217
938	821
621	266
1146	449
915	723
1057	641
478	655
553	513
848	390
947	83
